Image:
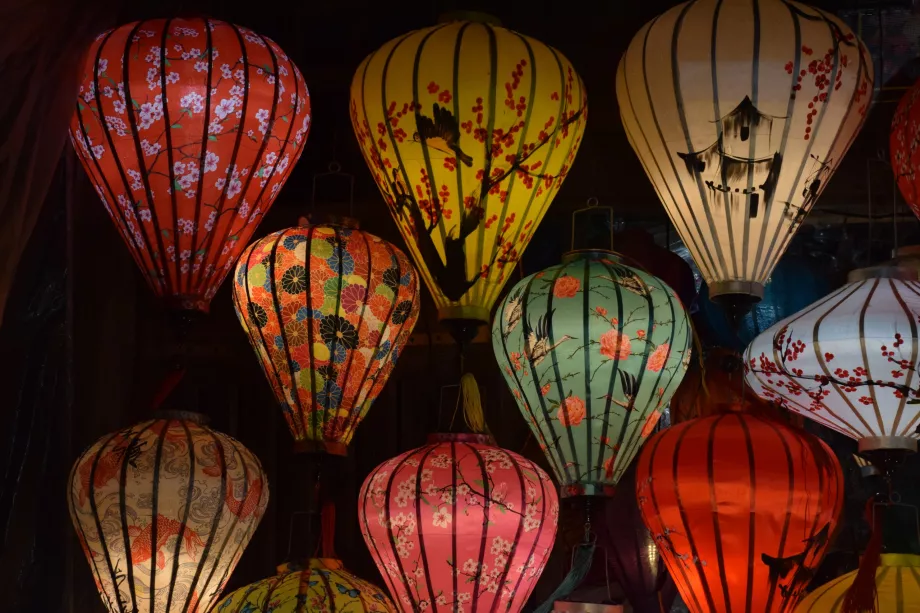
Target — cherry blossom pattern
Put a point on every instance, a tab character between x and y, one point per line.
328	310
904	144
848	361
592	351
323	584
154	506
467	173
187	181
459	525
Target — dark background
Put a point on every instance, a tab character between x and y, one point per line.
84	344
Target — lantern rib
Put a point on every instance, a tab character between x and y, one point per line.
222	199
487	182
865	355
346	429
388	522
555	361
131	112
486	291
679	100
611	384
206	278
233	524
714	508
752	510
155	490
122	492
694	553
329	407
586	334
790	500
421	532
755	82
761	260
113	572
311	338
554	459
913	354
564	469
486	519
203	155
517	537
820	357
123	228
167	130
190	490
456	91
644	492
453	533
426	156
683	189
273	284
275	383
372	543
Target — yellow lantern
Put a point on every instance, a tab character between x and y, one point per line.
322	586
897	581
469	130
740	111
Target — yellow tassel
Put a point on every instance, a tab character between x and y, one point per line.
472	404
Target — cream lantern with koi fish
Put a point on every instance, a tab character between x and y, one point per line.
164	510
592	350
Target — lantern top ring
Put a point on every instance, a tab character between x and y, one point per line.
749	288
879	443
590	254
461	437
464	311
476	16
192	416
330	447
882	272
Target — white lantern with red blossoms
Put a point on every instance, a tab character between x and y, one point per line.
849	361
592	350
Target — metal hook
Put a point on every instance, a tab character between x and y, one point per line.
592	204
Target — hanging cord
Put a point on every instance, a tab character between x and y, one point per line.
168	385
582	560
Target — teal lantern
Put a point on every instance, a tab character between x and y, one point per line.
592	350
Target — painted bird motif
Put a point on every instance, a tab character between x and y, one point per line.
142	548
513	310
538	339
630	283
441	133
247	506
630	387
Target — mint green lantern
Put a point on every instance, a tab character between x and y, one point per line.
592	350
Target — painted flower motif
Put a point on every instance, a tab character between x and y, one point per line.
615	345
571	411
650	422
657	360
566	287
353	298
339	331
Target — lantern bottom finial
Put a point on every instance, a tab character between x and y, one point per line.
887	443
463	322
736	298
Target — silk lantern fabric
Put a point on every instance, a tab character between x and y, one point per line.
740	111
164	510
328	309
741	508
904	144
459	524
469	130
897	580
632	553
848	361
322	585
188	128
592	350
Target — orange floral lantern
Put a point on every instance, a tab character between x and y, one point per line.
742	510
188	128
328	309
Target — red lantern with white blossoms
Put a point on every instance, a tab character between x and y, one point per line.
188	128
459	525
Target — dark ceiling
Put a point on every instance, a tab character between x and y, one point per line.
328	39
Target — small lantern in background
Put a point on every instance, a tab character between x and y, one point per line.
328	309
164	510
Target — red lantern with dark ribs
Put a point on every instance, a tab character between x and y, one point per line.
188	128
742	509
